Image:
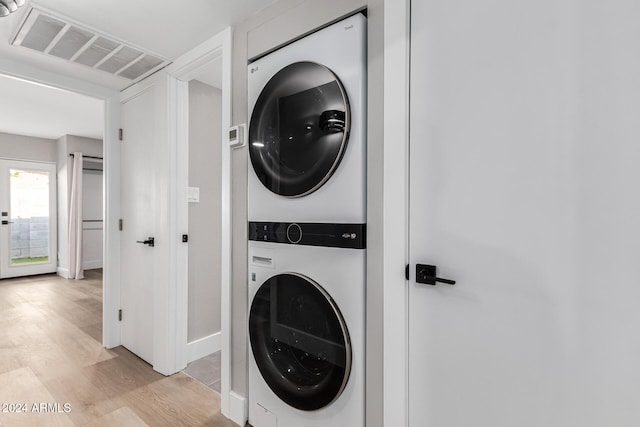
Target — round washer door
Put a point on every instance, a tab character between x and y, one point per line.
299	341
299	129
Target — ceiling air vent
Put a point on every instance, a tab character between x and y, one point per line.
60	37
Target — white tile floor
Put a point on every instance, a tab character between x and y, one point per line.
206	370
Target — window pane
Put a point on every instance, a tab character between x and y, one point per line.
29	216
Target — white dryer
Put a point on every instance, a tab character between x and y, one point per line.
307	132
306	326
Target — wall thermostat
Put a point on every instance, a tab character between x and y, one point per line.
238	136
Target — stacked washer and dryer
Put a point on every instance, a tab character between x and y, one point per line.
307	222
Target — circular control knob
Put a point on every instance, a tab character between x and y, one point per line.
294	233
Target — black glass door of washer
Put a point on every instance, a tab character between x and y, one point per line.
299	129
299	341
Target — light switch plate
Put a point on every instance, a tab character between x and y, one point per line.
193	194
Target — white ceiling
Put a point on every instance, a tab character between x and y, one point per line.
34	110
167	28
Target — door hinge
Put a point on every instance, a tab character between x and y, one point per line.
406	272
120	134
120	224
120	315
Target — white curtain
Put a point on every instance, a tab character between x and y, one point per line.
75	220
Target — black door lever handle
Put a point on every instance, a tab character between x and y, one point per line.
150	241
426	274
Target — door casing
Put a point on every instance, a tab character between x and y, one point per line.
111	154
395	327
183	69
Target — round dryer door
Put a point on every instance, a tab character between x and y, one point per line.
299	341
299	129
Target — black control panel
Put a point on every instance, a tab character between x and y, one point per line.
352	236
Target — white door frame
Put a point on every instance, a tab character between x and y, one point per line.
111	154
396	213
185	68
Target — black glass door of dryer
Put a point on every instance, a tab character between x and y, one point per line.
299	341
299	129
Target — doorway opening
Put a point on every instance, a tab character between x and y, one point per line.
204	224
44	126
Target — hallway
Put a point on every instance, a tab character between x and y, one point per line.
51	353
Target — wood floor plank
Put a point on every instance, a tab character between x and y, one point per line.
68	310
93	330
9	360
22	386
5	304
90	304
178	400
51	352
75	343
120	417
45	358
88	403
121	375
21	314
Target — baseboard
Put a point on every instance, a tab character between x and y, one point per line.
63	272
90	265
203	347
237	409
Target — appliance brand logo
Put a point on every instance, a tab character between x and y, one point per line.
349	27
254	69
349	236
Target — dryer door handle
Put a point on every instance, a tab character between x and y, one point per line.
332	121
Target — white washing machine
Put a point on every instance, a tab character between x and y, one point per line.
307	132
306	327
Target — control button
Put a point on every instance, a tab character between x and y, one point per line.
294	233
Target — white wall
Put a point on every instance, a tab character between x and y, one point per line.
30	148
283	21
65	146
205	222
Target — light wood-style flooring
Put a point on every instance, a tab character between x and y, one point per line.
52	364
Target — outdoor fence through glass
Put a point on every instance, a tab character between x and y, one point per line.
29	216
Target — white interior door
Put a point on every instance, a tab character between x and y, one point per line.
524	179
28	232
139	212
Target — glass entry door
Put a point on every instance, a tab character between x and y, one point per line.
28	238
